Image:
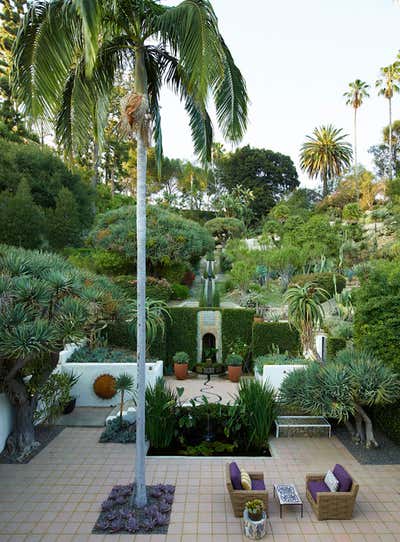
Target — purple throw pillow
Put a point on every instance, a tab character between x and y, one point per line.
235	476
344	478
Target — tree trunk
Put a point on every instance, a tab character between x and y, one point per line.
324	186
370	441
121	408
141	162
359	435
22	440
390	140
355	157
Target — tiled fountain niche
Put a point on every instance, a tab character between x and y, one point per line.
209	327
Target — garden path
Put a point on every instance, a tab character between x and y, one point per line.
195	387
57	496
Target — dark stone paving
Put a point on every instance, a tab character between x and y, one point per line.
388	452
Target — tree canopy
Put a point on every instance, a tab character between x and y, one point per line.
266	173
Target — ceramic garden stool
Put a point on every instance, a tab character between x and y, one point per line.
255	530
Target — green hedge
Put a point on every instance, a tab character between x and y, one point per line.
117	334
266	335
334	345
323	280
388	420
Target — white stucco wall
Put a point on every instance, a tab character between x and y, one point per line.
83	389
275	374
6	419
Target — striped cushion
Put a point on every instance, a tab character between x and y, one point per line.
245	479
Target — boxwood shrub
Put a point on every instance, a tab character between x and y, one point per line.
323	280
388	420
269	335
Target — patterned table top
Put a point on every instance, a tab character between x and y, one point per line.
287	494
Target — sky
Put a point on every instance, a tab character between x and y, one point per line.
298	57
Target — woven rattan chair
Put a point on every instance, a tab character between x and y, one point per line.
332	504
239	497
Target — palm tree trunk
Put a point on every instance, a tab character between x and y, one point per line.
390	140
355	156
324	185
141	163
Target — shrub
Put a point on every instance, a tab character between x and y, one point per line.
334	345
269	335
161	406
102	355
216	301
253	414
225	228
234	360
179	291
377	314
351	212
181	358
64	225
158	289
326	281
276	359
170	237
388	420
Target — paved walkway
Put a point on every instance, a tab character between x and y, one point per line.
219	389
56	497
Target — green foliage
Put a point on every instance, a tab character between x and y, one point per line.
22	223
46	175
234	360
266	173
161	405
64	225
208	449
52	396
269	335
326	281
99	261
116	432
170	238
225	228
179	291
181	358
276	359
334	345
388	419
377	314
351	212
155	288
216	297
253	414
101	354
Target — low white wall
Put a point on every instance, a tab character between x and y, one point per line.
276	374
83	389
6	419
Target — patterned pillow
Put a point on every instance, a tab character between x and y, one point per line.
331	481
245	479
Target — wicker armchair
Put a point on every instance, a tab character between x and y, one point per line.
239	497
332	505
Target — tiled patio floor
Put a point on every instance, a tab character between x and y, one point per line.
195	387
57	496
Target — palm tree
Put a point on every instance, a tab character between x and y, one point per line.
325	154
305	312
124	383
388	86
180	46
358	90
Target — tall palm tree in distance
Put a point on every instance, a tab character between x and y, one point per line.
325	154
70	49
358	90
388	87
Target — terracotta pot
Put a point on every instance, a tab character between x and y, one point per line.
181	370
234	372
258	319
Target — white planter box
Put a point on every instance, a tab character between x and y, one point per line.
83	390
6	419
276	374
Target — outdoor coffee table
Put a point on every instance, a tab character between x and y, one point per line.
287	496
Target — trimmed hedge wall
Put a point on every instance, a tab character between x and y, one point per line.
280	334
117	334
388	420
181	332
334	345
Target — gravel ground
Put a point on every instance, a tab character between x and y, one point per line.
388	452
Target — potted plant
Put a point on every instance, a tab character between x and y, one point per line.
255	509
71	403
181	365
234	363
